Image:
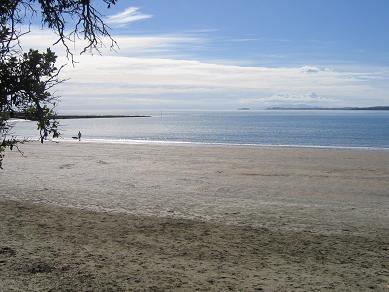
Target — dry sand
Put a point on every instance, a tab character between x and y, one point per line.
193	218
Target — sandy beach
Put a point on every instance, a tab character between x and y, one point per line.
109	217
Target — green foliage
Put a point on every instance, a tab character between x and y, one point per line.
26	78
25	84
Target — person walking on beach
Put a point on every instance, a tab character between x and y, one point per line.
79	136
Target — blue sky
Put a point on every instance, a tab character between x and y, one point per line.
292	31
215	54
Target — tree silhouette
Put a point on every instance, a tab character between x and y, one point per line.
27	77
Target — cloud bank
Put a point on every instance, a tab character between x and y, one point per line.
114	79
132	79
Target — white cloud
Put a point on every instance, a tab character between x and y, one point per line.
125	79
184	73
297	97
287	98
128	45
131	45
129	15
312	69
130	77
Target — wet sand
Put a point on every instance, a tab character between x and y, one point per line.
202	218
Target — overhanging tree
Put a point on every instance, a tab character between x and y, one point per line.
26	78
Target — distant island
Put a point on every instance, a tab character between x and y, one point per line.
244	109
371	108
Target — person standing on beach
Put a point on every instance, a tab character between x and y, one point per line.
79	136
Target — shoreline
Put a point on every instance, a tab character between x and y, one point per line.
211	144
292	146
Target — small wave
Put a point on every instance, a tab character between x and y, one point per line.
19	121
162	142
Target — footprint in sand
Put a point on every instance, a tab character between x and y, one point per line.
66	166
7	251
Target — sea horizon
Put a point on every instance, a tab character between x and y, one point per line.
335	129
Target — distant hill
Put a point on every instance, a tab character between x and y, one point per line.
371	108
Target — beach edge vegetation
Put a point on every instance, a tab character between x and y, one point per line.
26	78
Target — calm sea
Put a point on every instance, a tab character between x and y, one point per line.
284	128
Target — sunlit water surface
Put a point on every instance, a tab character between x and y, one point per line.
293	128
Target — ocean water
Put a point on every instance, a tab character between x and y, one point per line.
308	128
